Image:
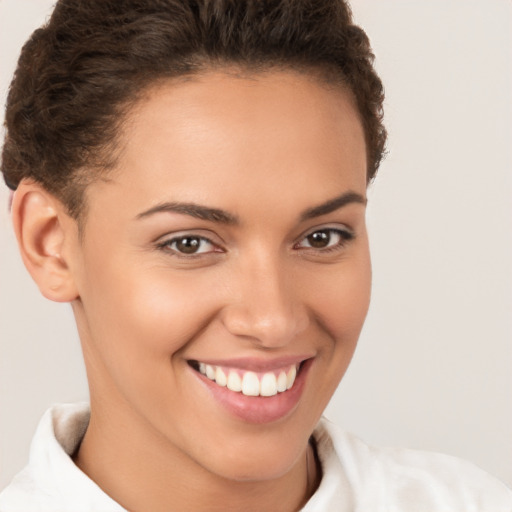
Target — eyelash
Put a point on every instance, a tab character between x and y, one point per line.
345	236
166	245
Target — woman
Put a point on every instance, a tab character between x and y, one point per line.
192	178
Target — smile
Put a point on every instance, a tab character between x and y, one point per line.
250	383
255	391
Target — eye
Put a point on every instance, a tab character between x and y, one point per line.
189	245
325	239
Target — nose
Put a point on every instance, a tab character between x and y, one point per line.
265	306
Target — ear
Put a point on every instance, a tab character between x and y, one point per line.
45	233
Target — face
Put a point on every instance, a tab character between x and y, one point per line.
227	251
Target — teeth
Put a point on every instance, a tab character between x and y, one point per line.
250	384
290	377
281	382
220	377
234	381
210	372
268	384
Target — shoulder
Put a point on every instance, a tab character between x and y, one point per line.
398	479
23	494
51	482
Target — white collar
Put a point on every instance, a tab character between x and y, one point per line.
52	477
356	477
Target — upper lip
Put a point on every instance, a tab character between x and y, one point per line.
256	364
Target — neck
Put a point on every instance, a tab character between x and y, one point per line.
142	471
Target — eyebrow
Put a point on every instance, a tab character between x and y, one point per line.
333	205
223	217
194	210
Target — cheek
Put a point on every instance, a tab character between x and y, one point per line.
138	318
341	304
343	300
148	312
138	324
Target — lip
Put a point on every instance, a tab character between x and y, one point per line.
257	365
257	409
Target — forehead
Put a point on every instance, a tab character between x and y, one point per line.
218	135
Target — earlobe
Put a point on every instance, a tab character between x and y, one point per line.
43	231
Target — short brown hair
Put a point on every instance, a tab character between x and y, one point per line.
78	75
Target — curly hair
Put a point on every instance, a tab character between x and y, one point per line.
80	73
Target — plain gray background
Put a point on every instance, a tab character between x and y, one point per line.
433	369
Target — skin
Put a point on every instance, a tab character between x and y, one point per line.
265	149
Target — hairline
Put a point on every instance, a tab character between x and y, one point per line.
324	74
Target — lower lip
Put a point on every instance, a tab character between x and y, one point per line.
258	409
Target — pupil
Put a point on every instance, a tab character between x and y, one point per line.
188	245
319	239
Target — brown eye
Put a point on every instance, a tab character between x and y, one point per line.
326	239
188	245
319	239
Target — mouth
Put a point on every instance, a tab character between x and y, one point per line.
254	391
247	382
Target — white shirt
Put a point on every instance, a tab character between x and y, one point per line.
356	477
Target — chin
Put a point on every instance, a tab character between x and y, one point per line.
254	471
264	458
